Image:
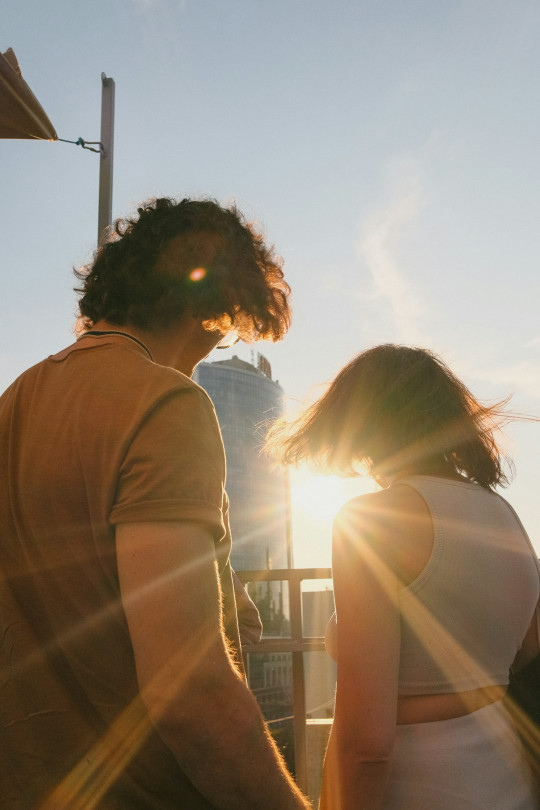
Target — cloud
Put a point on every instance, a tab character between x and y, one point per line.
380	247
512	368
534	343
521	378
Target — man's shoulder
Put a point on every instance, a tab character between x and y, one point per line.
110	378
122	363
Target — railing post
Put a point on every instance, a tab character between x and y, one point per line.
296	645
299	691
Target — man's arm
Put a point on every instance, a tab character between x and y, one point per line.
249	620
195	696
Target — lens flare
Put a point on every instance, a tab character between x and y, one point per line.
197	274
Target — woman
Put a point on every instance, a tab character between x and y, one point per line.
435	585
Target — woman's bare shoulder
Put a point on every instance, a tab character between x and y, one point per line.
394	522
390	509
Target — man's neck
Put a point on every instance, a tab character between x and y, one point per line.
182	346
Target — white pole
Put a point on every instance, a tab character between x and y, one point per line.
106	156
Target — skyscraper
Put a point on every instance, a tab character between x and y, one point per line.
247	401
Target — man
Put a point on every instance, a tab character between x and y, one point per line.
120	686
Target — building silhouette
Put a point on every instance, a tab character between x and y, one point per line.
247	402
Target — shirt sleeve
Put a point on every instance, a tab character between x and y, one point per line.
174	467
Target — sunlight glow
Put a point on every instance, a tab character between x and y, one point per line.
318	496
315	501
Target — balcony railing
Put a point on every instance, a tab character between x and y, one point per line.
297	644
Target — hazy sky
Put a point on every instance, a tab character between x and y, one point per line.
390	150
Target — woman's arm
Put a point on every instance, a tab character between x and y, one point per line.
368	642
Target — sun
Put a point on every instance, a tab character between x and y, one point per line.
318	496
315	501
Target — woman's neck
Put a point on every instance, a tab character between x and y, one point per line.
437	469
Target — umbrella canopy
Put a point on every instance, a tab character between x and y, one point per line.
21	114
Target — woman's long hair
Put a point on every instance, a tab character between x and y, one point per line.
397	408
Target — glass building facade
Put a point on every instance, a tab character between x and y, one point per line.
247	401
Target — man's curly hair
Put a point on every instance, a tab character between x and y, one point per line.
193	256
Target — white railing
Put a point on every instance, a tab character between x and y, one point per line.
297	644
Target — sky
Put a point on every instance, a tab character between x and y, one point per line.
389	150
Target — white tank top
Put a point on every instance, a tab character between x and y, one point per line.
464	618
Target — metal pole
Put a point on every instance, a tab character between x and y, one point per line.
288	519
106	157
299	687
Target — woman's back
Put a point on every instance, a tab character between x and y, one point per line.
435	586
464	617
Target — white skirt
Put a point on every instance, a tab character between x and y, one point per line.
473	762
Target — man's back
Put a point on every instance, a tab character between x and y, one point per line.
119	673
79	431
